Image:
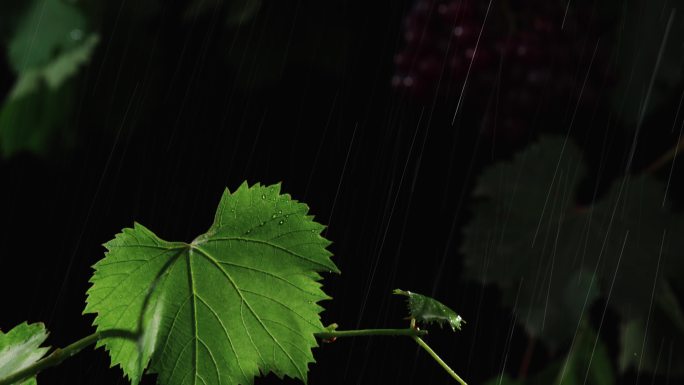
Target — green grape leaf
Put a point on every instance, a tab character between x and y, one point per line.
48	46
66	65
552	258
20	347
237	301
47	28
635	214
37	122
429	310
588	362
653	343
526	237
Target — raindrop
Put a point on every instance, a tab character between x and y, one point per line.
274	216
281	222
263	196
76	34
262	223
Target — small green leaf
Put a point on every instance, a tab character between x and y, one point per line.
20	347
429	310
238	301
47	28
37	122
587	362
46	50
655	348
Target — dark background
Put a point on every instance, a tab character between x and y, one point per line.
164	123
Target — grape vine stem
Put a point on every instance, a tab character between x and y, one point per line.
370	332
434	355
60	354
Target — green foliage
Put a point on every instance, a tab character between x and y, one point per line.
37	121
47	27
429	310
20	347
530	238
237	301
48	46
587	363
531	200
652	343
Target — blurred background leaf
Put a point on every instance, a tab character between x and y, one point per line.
552	258
47	47
37	122
526	237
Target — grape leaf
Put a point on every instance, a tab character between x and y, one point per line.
526	237
429	310
47	48
37	122
588	361
237	301
634	214
48	27
529	237
20	347
654	343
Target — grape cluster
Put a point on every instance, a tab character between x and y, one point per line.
530	57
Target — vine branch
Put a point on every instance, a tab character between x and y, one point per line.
60	354
330	334
434	355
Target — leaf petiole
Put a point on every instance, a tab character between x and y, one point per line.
370	332
60	354
434	355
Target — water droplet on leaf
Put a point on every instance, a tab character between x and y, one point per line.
76	34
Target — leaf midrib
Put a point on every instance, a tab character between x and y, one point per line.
216	263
